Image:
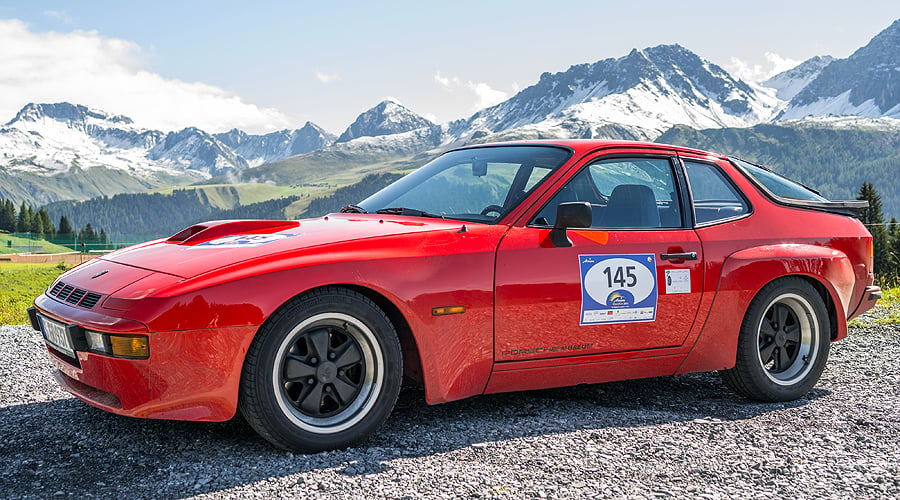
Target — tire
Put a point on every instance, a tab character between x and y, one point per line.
322	373
783	344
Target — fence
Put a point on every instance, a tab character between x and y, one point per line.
32	243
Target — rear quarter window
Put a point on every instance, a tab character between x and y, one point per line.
715	197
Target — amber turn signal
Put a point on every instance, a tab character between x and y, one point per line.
121	346
443	311
129	347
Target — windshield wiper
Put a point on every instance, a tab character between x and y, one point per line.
413	212
353	209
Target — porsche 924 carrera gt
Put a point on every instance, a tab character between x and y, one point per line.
493	268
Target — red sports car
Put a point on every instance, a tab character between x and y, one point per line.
493	268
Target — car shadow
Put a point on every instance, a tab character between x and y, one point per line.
67	446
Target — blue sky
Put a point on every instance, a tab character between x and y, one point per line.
268	65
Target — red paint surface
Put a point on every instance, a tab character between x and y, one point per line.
201	306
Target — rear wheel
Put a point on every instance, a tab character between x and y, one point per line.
323	373
783	343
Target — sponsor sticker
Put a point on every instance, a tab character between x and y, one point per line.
243	240
618	288
678	281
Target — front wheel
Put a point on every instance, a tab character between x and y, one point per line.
323	373
783	343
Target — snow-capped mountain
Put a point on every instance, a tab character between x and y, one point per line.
387	118
637	96
259	149
865	84
57	151
50	139
197	150
789	83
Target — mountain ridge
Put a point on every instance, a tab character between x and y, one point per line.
55	151
867	83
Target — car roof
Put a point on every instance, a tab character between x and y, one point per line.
582	146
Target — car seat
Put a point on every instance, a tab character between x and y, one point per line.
631	205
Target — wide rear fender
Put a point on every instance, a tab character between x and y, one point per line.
744	274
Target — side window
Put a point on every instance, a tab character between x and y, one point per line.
715	198
624	193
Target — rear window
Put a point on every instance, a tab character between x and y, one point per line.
778	185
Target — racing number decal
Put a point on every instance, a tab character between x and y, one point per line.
618	288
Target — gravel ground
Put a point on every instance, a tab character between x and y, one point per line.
685	437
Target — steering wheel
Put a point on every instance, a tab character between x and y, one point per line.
492	208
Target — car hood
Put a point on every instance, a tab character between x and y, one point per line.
213	245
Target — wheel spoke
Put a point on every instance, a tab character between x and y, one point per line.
781	314
318	341
783	359
350	356
344	391
311	402
766	328
792	332
765	352
295	368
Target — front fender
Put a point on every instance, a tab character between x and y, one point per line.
743	275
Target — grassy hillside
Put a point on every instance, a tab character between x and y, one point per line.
231	195
835	162
19	285
78	184
319	174
13	244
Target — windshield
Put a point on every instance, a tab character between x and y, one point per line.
477	184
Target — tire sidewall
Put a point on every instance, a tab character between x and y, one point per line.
280	428
760	386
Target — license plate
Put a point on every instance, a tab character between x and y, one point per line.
57	336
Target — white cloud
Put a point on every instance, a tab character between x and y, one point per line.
483	94
327	77
760	72
83	67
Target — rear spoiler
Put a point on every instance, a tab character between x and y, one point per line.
852	208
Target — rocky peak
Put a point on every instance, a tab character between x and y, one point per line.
386	118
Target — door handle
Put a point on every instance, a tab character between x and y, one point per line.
677	256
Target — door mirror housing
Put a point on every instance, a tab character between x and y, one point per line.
573	214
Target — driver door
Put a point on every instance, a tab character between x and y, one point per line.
630	282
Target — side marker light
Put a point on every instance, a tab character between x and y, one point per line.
443	311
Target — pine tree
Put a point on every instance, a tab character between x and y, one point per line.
873	218
23	222
37	225
65	227
9	214
894	248
87	235
49	230
7	223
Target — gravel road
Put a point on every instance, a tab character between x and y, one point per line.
685	436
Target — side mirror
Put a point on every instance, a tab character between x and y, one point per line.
574	214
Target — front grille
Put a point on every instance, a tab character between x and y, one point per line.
73	295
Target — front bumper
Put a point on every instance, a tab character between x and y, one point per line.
869	298
190	374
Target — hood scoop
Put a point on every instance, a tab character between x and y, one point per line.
207	231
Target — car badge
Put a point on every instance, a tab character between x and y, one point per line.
101	273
